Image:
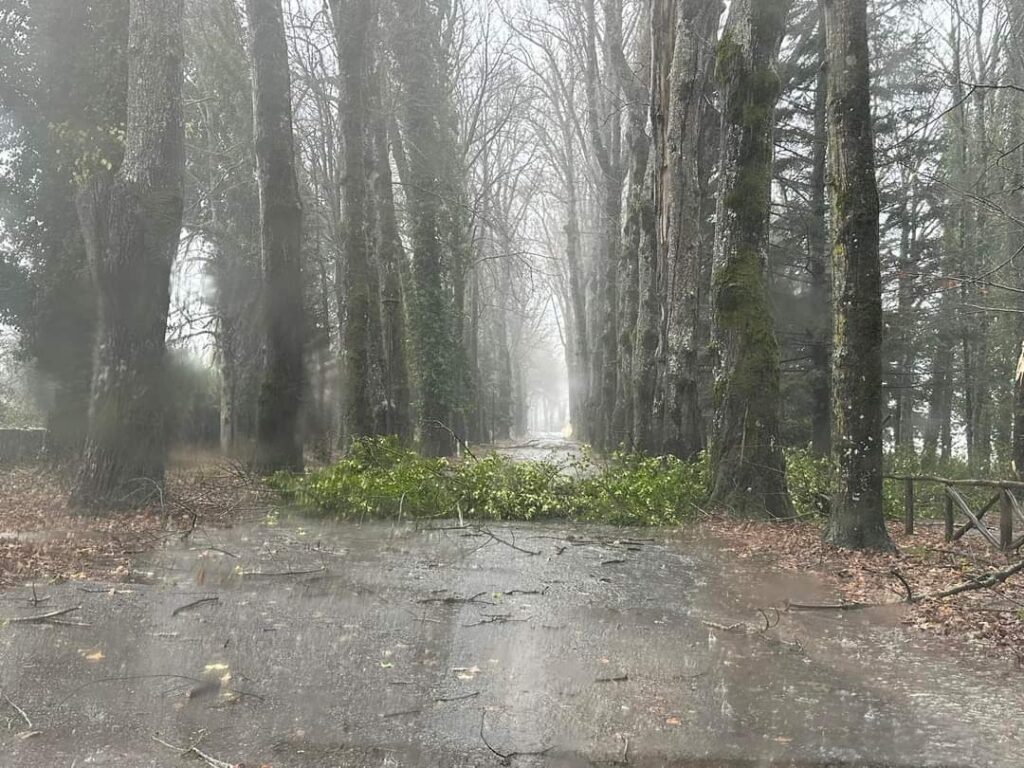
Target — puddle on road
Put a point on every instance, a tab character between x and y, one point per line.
312	643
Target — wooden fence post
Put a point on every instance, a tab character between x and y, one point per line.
1006	521
908	505
949	517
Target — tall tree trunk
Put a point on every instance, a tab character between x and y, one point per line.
578	332
131	221
362	377
856	521
637	216
392	258
817	258
903	378
683	61
279	441
417	54
747	465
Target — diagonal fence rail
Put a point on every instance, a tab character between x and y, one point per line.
1003	496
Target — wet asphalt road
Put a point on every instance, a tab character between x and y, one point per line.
392	645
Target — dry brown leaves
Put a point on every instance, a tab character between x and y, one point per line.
990	618
43	539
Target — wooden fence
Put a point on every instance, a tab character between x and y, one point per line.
1003	496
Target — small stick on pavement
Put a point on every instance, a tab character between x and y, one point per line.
725	627
827	606
211	761
511	544
403	712
472	695
506	759
194	604
767	622
36	600
303	572
41	617
616	679
20	711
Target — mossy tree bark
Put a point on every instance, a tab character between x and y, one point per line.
392	262
747	465
636	231
279	441
131	220
683	61
856	521
364	402
415	45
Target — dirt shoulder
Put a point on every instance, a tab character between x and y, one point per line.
989	619
42	539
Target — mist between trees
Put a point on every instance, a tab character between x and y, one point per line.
673	227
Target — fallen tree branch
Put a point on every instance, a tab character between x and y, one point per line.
506	757
852	606
511	544
40	617
990	579
460	697
906	584
268	574
454	599
194	604
725	627
20	711
211	761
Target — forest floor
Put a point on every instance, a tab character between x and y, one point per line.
42	539
990	620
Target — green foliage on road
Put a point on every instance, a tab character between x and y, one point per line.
379	478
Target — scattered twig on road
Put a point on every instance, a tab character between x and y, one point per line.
453	599
193	749
851	606
20	711
501	618
511	544
403	712
614	679
616	561
35	599
506	757
40	617
460	697
194	604
767	621
725	627
267	574
222	551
